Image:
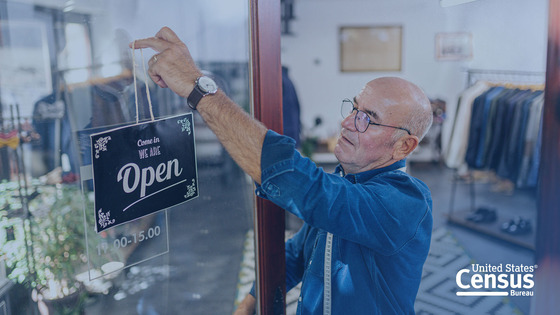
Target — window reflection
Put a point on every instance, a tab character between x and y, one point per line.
76	56
80	81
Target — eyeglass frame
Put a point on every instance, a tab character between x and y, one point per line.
355	109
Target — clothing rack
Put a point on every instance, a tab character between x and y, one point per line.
505	76
511	79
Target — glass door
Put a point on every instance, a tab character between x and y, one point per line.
68	73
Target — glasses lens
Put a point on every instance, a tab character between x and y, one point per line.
347	107
361	121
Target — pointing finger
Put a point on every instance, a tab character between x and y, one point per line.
167	34
172	66
155	43
160	42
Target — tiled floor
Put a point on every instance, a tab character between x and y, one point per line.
481	247
436	294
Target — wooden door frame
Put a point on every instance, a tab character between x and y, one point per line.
266	73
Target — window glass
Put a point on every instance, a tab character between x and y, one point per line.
76	56
67	73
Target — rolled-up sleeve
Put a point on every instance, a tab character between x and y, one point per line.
277	157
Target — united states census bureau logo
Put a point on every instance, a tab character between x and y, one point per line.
496	280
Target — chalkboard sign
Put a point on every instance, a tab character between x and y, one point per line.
143	168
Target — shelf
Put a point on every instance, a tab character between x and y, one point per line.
324	158
493	229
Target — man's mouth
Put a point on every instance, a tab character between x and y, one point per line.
346	140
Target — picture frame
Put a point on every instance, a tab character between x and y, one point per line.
370	48
454	46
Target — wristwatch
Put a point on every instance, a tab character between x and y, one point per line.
203	86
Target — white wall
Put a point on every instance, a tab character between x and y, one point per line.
507	35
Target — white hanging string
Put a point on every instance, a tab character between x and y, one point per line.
145	81
134	77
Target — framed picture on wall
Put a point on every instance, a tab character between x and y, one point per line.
454	46
370	48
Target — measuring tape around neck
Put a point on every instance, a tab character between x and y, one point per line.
327	275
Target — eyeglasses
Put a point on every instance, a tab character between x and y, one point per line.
361	119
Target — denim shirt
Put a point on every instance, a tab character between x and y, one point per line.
381	221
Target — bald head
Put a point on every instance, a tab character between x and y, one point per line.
410	108
392	107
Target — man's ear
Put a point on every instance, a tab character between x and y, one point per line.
404	146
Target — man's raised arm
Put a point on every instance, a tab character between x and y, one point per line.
173	67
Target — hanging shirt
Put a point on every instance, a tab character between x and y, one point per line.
477	131
381	221
533	125
458	141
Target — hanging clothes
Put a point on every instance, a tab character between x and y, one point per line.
503	127
290	108
477	131
532	176
512	156
49	114
498	135
457	148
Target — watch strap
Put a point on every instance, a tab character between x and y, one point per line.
195	97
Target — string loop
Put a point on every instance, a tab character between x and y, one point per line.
145	81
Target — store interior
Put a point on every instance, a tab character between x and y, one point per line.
67	73
489	213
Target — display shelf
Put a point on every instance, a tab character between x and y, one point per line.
521	79
429	150
324	158
493	229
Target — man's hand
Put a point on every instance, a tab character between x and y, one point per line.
173	66
247	306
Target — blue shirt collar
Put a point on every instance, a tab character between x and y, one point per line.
366	175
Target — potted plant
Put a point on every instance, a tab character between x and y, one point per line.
59	249
59	252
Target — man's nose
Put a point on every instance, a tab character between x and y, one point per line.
348	122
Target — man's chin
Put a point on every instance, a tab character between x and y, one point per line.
339	153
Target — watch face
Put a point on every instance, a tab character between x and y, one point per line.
207	85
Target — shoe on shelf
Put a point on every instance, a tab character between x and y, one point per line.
483	215
517	226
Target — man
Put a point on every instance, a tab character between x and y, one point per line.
368	224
